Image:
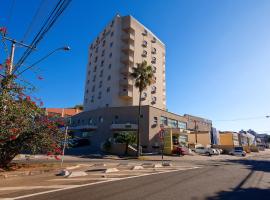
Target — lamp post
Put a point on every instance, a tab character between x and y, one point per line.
65	48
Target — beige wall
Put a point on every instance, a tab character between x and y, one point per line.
148	129
201	124
203	138
127	42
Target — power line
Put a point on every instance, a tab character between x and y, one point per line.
241	119
34	19
54	15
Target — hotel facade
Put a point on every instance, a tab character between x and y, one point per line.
110	97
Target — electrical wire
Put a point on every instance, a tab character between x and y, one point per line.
34	20
54	15
241	119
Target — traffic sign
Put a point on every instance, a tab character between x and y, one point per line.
161	134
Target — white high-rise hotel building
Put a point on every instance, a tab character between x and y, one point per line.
122	44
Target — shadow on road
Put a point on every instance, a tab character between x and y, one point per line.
247	194
253	165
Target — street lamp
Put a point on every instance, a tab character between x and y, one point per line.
65	48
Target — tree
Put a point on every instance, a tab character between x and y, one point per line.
24	127
127	138
143	75
79	107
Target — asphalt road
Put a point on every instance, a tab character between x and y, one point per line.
235	179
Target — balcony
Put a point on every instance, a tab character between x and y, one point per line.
124	126
128	48
83	127
126	82
126	37
127	59
126	94
126	70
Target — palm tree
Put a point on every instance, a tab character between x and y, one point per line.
143	76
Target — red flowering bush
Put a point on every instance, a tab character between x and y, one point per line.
24	127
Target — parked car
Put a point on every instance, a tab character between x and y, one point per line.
182	151
204	150
238	151
78	142
216	151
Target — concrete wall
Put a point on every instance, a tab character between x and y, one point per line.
148	129
203	138
198	123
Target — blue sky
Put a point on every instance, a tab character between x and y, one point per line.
217	53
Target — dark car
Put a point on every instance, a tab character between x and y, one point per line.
79	142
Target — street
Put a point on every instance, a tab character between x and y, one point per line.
243	178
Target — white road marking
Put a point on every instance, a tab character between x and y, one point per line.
81	179
95	183
35	187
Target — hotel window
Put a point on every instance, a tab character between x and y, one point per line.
144	44
108	89
153	89
172	123
101	73
100	84
90	55
112	23
109	78
110	55
85	100
182	125
96	49
93	88
87	91
155	120
102	63
88	81
153	60
144	54
111	44
111	33
103	52
154	51
154	40
154	69
154	99
110	66
163	120
144	95
96	58
95	68
92	99
144	32
99	95
94	78
89	72
103	43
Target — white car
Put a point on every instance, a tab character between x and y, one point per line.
238	151
204	150
216	151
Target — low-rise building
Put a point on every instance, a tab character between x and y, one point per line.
228	140
104	123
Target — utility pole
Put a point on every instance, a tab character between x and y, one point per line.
12	52
196	130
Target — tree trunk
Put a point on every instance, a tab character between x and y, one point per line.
138	130
6	158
